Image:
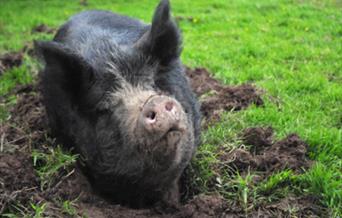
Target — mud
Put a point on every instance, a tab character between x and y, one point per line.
258	138
43	28
189	19
27	129
84	2
10	60
24	189
18	181
15	59
27	124
267	156
216	97
305	206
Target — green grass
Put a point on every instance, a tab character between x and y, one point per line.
69	208
38	210
50	164
292	49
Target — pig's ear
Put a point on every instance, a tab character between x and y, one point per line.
64	69
163	40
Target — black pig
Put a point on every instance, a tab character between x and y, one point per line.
114	89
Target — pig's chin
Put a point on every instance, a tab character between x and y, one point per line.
165	151
173	136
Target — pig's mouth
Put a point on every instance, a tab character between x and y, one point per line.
175	128
174	135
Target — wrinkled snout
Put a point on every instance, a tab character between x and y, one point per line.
161	114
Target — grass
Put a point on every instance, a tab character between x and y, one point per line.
292	49
69	208
50	164
38	210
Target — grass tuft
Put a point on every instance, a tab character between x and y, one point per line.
49	165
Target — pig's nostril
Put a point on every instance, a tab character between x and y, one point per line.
169	106
151	115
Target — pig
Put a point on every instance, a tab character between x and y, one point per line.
115	92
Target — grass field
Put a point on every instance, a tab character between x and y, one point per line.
291	49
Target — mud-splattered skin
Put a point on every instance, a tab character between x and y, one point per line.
104	74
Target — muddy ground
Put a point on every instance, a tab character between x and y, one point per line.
10	60
216	97
26	129
14	59
43	28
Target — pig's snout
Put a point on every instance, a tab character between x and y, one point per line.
161	114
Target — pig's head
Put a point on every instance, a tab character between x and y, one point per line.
126	108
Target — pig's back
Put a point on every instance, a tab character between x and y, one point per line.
89	27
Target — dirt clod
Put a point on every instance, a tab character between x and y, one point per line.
10	60
204	206
216	97
258	138
240	159
43	28
14	59
268	156
189	19
289	153
84	2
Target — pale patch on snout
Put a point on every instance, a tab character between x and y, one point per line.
129	101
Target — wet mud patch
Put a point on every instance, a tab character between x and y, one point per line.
27	128
216	97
